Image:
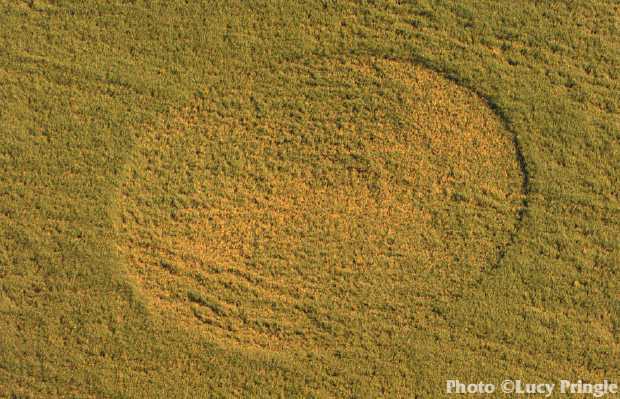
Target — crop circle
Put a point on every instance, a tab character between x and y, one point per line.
319	207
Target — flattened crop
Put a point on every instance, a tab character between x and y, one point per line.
321	209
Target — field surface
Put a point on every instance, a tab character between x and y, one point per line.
307	199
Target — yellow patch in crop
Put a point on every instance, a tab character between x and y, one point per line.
319	208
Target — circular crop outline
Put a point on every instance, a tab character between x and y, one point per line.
196	297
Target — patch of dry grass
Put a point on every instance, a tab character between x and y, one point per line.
329	222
